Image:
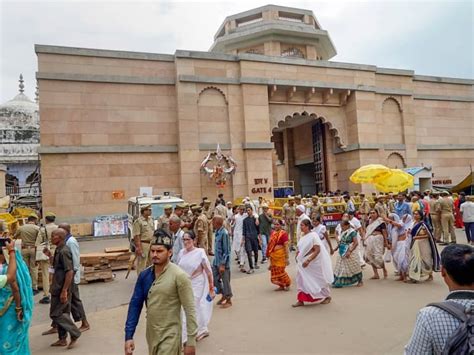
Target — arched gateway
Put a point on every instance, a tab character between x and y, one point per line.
305	144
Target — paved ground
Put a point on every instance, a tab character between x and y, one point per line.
375	319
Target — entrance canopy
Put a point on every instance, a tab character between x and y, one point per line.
467	185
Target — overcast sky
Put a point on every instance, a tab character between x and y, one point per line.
430	37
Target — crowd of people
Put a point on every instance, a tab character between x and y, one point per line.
183	260
55	250
401	228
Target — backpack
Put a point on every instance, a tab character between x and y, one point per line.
461	341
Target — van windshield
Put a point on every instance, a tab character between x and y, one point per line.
157	208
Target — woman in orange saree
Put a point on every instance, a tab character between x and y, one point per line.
278	254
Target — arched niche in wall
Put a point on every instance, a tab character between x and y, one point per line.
396	161
213	117
392	122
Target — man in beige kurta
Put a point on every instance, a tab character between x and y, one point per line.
143	229
165	288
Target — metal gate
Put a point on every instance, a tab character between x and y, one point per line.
319	157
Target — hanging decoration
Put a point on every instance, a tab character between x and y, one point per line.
218	167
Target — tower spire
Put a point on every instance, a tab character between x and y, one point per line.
22	87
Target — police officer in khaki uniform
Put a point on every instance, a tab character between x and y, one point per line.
187	218
435	215
316	208
143	229
390	203
446	208
289	216
207	210
29	235
44	241
201	228
364	209
380	207
163	221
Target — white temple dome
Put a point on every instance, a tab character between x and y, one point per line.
21	111
19	129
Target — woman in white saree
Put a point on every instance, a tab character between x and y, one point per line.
376	241
398	229
195	263
314	269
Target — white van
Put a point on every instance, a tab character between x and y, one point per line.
157	203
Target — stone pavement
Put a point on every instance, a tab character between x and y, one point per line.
375	319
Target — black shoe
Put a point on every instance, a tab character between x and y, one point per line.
45	300
257	267
35	292
264	261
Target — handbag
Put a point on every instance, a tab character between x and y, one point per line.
387	257
40	256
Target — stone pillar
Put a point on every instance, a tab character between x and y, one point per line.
409	131
257	145
188	139
3	173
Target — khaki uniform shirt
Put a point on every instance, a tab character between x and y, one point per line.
446	205
380	208
289	213
164	222
208	213
28	233
45	234
364	207
315	210
201	227
186	219
434	206
170	291
144	228
391	206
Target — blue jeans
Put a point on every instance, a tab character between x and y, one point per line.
264	245
469	229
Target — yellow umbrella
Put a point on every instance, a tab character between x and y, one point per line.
396	181
368	173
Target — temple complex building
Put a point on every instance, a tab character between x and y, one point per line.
19	142
267	93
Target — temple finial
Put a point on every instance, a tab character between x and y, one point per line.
22	87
